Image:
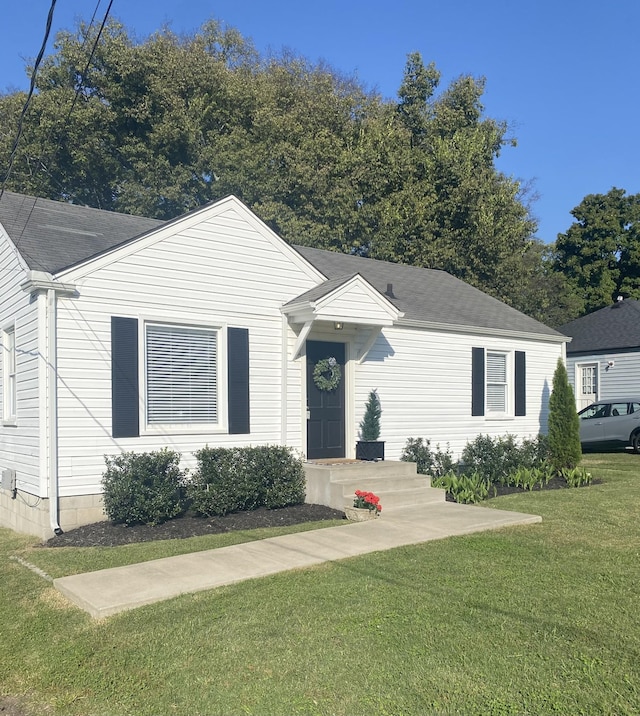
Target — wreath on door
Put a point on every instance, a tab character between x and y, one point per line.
327	374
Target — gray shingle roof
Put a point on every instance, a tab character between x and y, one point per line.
52	236
610	328
427	294
323	289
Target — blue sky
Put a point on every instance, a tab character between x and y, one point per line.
563	73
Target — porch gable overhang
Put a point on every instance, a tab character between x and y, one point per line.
348	300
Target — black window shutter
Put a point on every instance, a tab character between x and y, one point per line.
477	381
125	410
238	372
521	383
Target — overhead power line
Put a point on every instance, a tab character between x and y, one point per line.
90	58
28	100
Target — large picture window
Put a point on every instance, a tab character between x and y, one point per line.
181	375
9	375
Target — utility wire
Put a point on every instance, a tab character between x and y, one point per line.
42	161
91	54
28	100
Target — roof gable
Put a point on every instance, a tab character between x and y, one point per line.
346	299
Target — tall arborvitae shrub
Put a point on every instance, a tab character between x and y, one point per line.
564	424
370	425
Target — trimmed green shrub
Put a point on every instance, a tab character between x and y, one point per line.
143	488
497	458
281	475
429	462
564	424
467	488
236	479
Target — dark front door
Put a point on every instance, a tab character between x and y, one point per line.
325	423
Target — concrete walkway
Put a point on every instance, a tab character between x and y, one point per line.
110	591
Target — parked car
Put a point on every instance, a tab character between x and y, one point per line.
609	423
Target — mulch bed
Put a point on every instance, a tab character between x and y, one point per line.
107	534
555	483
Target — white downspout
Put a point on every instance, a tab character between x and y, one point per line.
52	417
41	282
284	381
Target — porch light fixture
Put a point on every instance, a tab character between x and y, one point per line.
338	325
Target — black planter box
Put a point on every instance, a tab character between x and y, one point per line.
370	450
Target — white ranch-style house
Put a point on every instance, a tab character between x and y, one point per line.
121	333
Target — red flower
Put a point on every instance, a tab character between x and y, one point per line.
367	500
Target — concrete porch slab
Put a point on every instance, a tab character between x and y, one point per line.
110	591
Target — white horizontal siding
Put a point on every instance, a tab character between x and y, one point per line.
423	380
354	304
219	273
19	444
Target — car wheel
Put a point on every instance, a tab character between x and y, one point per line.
635	443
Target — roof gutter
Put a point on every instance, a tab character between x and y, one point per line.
42	283
479	330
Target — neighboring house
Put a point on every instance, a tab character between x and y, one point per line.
603	358
121	333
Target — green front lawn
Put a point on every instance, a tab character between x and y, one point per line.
529	620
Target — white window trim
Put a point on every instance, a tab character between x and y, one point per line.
9	377
219	427
577	382
509	411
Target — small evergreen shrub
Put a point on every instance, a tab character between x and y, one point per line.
143	488
467	488
236	479
370	424
429	462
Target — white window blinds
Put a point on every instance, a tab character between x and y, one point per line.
181	365
496	383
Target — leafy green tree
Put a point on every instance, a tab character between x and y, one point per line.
544	293
600	252
162	126
454	210
417	88
563	423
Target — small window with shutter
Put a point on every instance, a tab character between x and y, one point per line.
497	384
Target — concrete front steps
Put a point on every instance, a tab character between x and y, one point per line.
397	484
